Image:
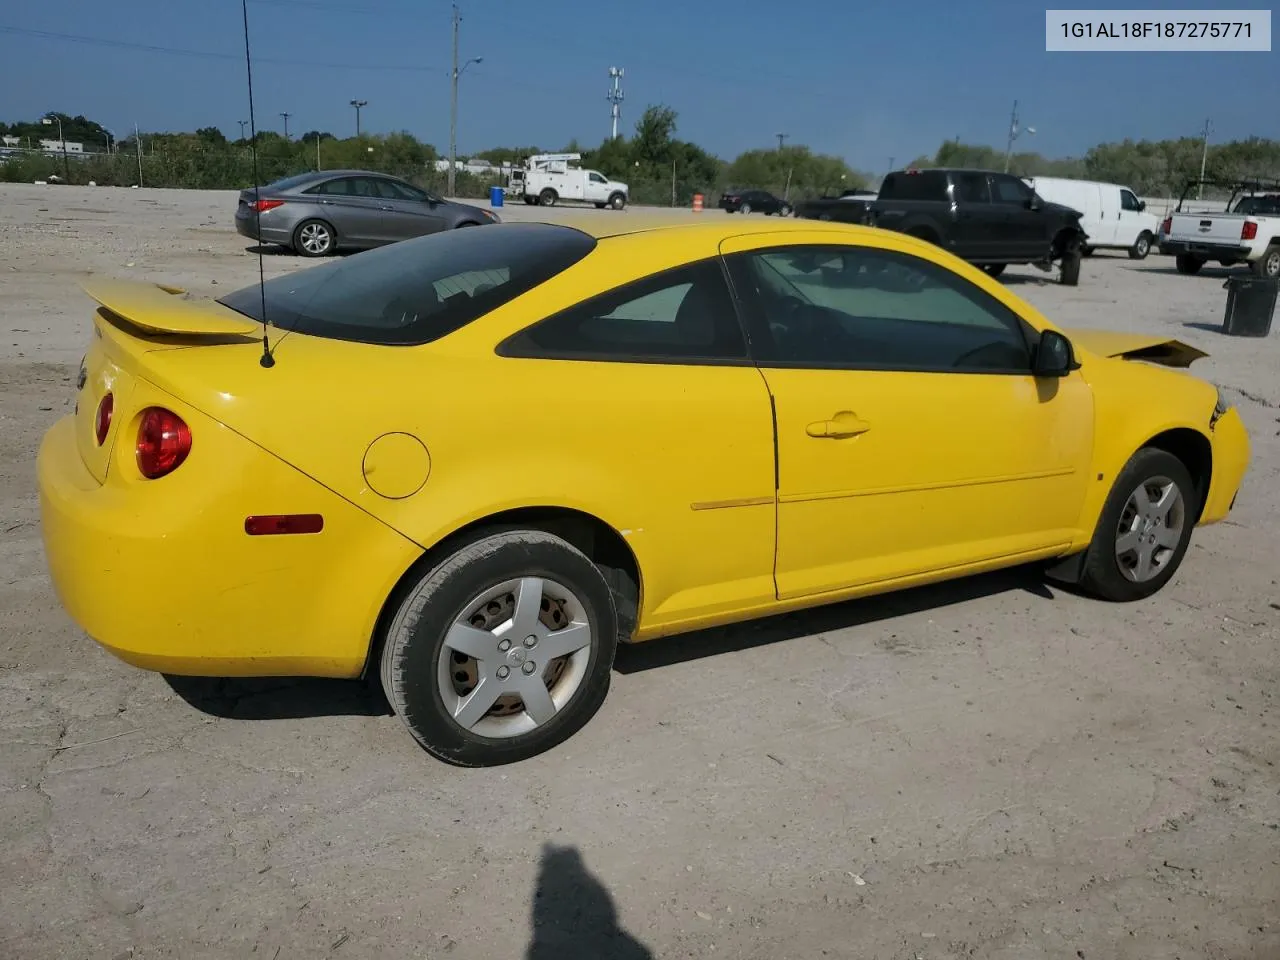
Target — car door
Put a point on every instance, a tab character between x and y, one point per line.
972	236
597	187
407	211
354	207
1020	232
660	364
912	437
1131	218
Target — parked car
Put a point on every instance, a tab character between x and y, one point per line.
863	412
1247	231
852	206
990	219
748	201
1110	214
315	214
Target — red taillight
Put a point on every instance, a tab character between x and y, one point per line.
272	524
102	420
262	206
1167	226
1249	231
164	440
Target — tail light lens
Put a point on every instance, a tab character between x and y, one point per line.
1249	231
262	206
102	419
164	440
1167	226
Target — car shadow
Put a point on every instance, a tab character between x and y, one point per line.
1025	279
279	698
270	250
573	915
1205	273
1209	327
293	698
668	651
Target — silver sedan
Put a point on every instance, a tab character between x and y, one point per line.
318	213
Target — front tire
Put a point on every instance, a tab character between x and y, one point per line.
1144	529
617	201
784	210
503	650
745	208
1141	247
314	238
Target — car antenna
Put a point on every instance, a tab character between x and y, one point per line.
267	360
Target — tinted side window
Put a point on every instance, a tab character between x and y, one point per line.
1009	190
334	188
393	190
864	308
972	188
682	314
924	185
1129	202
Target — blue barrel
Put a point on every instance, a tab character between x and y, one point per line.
495	196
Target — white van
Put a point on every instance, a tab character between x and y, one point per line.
1113	216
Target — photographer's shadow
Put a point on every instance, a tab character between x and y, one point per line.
574	917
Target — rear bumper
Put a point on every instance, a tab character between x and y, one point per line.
162	574
1209	251
247	226
1231	454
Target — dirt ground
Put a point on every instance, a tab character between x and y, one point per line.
994	768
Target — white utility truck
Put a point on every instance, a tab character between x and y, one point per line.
551	178
1112	216
1247	231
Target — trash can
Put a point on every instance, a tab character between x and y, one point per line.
1251	302
495	196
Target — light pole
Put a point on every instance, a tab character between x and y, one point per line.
243	124
1204	159
453	111
781	137
1013	135
286	124
358	104
48	121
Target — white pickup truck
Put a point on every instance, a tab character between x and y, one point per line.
1248	231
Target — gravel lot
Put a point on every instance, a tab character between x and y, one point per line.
991	769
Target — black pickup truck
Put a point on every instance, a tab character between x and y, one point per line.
852	206
990	219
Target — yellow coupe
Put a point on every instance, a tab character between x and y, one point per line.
473	463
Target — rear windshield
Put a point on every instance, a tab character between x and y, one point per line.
1264	205
924	185
419	290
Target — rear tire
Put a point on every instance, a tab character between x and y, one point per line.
994	269
428	681
745	208
1141	247
1185	263
314	238
1107	559
548	197
1267	266
784	210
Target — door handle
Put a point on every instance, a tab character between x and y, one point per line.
843	424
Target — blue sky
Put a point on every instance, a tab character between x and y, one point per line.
867	81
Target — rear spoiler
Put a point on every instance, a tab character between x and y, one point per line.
156	308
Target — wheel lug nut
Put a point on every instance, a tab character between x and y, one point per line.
504	645
503	672
530	641
529	666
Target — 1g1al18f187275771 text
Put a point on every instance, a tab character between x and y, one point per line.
1158	30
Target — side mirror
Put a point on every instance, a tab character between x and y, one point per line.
1054	355
1033	202
1142	205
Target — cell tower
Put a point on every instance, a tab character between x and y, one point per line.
614	96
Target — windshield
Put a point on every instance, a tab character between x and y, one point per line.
418	290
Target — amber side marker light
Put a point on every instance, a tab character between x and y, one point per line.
275	524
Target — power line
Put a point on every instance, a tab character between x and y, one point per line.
209	54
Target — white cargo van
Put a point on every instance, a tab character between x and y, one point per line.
1113	216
